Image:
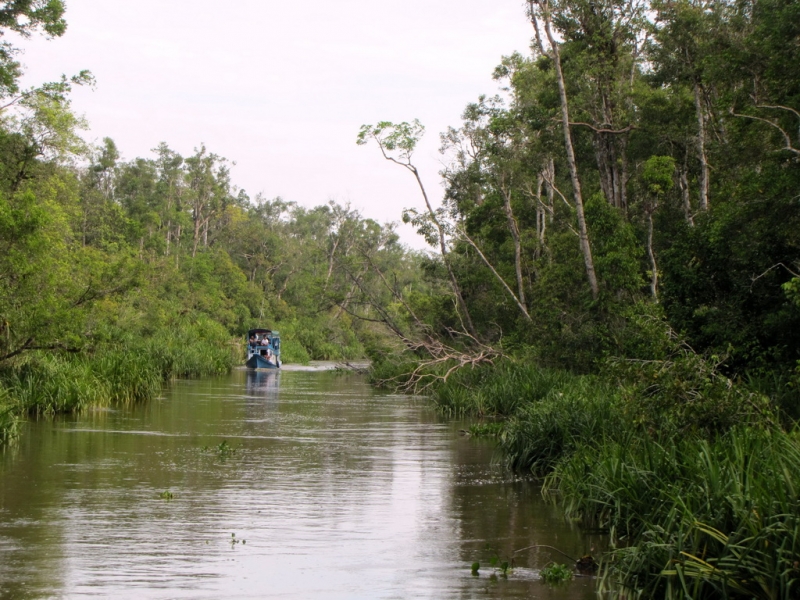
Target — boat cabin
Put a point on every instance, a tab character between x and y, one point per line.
263	349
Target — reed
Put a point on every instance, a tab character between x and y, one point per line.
698	518
129	369
8	418
689	473
497	391
48	384
562	422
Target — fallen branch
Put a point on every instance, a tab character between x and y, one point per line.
564	554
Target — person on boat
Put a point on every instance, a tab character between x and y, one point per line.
252	340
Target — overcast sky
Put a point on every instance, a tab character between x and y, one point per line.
281	88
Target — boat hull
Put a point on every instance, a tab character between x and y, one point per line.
259	362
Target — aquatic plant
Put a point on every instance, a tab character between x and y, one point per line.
223	449
689	473
556	573
8	418
492	429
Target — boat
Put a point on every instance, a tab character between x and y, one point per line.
263	349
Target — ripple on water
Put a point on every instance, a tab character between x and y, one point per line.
324	488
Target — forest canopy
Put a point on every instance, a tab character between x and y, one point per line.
638	172
613	276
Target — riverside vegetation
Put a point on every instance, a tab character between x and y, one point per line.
116	276
623	267
614	286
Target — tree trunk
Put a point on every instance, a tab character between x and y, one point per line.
701	147
651	253
573	166
177	246
541	216
683	183
445	257
196	216
331	256
514	230
623	179
551	174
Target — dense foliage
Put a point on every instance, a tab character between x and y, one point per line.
615	280
116	275
98	255
684	136
623	230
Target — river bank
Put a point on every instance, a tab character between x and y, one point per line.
128	369
692	475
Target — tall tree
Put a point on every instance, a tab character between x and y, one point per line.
25	17
543	10
397	143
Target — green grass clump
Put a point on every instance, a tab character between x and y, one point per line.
545	413
544	431
8	418
51	383
499	390
716	518
131	369
689	472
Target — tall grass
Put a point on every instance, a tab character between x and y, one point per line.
128	370
8	417
562	422
715	518
497	391
690	473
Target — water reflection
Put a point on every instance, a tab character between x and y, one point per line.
263	383
339	492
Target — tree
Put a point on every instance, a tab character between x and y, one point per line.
25	17
208	179
397	143
544	10
657	178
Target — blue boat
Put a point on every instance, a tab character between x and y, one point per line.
263	349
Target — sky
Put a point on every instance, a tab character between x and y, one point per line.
282	88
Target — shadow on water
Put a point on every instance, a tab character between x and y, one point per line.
333	490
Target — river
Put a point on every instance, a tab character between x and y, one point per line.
298	484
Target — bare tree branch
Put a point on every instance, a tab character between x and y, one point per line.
600	129
779	107
496	274
787	139
773	267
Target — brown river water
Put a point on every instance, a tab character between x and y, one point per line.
298	484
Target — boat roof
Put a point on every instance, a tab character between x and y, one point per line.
253	332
